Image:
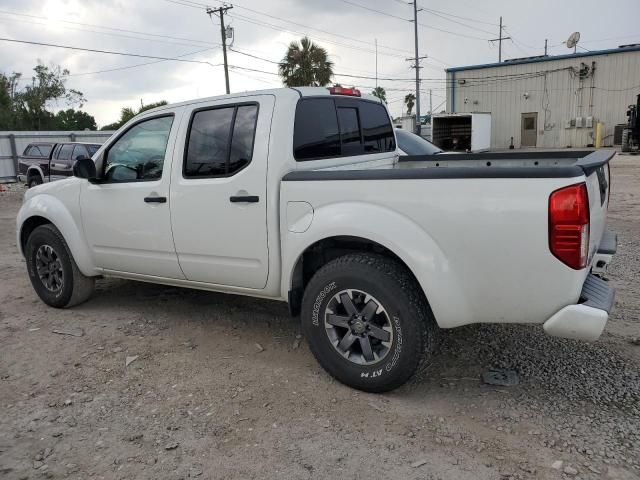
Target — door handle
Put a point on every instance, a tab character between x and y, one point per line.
155	199
244	199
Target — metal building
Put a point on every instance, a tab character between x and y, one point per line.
550	101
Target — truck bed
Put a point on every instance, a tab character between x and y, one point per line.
553	164
478	222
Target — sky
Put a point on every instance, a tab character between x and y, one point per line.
451	33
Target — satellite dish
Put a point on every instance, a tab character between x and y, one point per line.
573	40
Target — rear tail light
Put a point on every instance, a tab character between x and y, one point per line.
354	92
569	225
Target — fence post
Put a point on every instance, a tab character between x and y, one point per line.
14	154
72	137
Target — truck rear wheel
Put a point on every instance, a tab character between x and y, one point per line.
367	322
52	270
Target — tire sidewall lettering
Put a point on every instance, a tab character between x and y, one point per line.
319	301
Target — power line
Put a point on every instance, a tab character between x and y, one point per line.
346	37
431	10
110	52
262	23
111	34
133	66
380	12
6	12
375	10
434	12
469	82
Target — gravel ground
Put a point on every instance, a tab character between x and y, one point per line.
220	386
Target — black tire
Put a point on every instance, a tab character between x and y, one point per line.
69	286
402	301
34	180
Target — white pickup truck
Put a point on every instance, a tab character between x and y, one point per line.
299	195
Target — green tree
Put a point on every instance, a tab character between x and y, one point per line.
8	115
305	65
127	113
71	119
380	93
410	101
31	104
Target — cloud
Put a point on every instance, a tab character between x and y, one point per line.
264	29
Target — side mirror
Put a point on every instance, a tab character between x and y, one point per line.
84	168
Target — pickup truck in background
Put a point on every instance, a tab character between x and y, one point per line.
45	162
299	195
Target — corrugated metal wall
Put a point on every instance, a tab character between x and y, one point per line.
20	141
554	90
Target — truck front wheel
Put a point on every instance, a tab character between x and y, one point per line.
34	180
367	322
52	270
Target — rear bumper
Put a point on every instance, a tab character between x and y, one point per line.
587	319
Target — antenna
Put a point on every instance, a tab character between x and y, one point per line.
572	41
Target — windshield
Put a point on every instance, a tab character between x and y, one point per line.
412	144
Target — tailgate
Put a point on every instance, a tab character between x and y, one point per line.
598	185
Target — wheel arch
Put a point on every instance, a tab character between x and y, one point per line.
46	209
379	229
35	170
321	252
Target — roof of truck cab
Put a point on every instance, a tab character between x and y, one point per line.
277	92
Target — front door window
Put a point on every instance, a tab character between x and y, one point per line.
138	155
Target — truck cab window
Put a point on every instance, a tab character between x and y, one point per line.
349	131
138	155
376	128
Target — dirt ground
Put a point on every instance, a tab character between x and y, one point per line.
222	387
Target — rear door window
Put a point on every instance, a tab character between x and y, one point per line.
65	152
316	132
80	151
220	141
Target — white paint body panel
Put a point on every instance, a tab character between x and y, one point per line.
123	231
469	242
477	246
218	241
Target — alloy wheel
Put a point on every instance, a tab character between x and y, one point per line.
358	327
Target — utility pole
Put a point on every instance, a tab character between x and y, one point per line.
430	103
376	41
545	46
499	40
417	64
220	12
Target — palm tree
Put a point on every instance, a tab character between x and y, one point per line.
410	101
305	65
380	93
